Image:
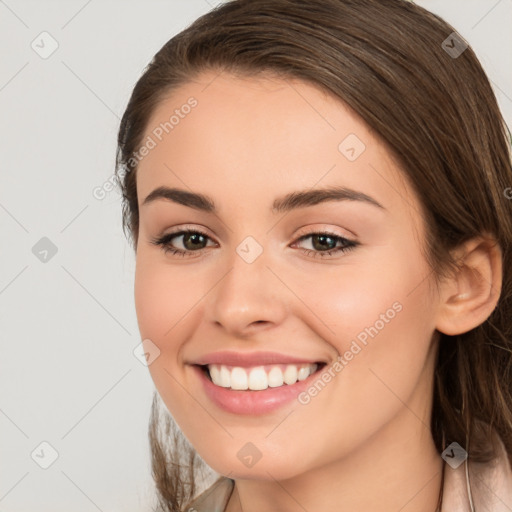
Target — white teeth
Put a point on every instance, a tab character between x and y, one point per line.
290	374
303	373
224	377
239	379
258	378
215	374
275	377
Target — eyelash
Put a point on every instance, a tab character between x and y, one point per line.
165	240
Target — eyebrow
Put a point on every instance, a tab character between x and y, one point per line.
286	203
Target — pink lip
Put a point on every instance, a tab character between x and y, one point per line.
241	359
252	402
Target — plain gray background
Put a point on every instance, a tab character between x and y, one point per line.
68	328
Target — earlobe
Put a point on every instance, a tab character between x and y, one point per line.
469	296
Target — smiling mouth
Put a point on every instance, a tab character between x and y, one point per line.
259	378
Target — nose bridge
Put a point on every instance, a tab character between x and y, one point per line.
249	292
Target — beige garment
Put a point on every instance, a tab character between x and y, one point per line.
490	488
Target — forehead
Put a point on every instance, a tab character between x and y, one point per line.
257	137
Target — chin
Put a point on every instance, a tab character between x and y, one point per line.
267	468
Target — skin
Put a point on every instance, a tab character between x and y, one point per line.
364	440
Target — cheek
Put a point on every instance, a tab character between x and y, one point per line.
383	295
381	324
169	307
162	301
163	297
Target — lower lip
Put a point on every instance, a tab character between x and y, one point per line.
253	402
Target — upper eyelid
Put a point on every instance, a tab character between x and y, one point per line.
185	230
314	231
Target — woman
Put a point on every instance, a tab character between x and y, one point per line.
316	191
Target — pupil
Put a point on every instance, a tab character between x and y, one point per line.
322	238
194	237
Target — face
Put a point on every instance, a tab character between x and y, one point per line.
300	275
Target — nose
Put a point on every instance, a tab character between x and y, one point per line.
249	297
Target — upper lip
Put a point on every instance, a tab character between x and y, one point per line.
247	359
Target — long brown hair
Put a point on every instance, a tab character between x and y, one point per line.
436	112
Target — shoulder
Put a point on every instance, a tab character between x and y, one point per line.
213	499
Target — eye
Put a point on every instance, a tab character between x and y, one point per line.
193	240
326	244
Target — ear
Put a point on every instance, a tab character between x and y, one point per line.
469	296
